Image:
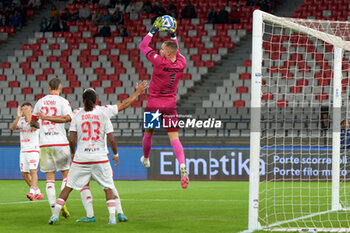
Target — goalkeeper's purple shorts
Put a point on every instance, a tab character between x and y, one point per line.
167	107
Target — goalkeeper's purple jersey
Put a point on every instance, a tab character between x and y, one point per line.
166	74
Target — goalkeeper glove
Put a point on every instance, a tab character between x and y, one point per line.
156	26
172	31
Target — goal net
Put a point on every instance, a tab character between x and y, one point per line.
299	168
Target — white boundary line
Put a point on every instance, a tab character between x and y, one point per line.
143	200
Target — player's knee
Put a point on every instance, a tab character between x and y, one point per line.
173	134
25	174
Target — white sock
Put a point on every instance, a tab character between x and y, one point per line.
51	193
64	182
33	189
111	209
37	192
86	198
59	205
118	204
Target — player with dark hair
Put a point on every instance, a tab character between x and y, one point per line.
88	130
168	67
110	111
54	149
29	155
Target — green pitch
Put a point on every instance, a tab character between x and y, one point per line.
151	206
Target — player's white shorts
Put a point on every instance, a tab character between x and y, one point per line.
80	174
54	158
29	160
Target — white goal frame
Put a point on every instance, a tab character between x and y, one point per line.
255	135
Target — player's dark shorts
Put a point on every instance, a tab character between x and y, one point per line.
166	106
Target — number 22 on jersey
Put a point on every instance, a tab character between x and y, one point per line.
51	111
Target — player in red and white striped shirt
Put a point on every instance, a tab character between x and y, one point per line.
88	130
29	155
54	149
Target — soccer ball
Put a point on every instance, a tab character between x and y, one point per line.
168	22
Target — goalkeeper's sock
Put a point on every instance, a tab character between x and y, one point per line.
118	204
59	205
147	145
64	182
111	209
86	198
179	151
51	193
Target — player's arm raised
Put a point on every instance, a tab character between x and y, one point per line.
14	124
150	54
139	90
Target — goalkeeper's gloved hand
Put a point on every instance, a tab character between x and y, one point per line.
156	26
175	26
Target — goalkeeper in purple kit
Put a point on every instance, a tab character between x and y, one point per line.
168	67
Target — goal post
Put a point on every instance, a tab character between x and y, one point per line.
299	96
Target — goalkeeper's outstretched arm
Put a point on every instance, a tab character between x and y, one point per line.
145	49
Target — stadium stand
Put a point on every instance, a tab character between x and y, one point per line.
234	92
113	65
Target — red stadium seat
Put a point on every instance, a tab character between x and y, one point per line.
100	70
75	84
242	90
28	71
52	58
96	83
27	90
322	96
3	77
122	97
137	104
39	96
42	40
68	90
12	104
10	30
113	77
54	46
116	83
109	90
239	103
186	77
324	82
244	76
41	77
143	97
102	77
5	65
302	82
48	71
30	13
282	103
247	63
267	96
14	84
295	89
26	47
210	64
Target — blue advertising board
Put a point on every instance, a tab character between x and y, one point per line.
129	167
